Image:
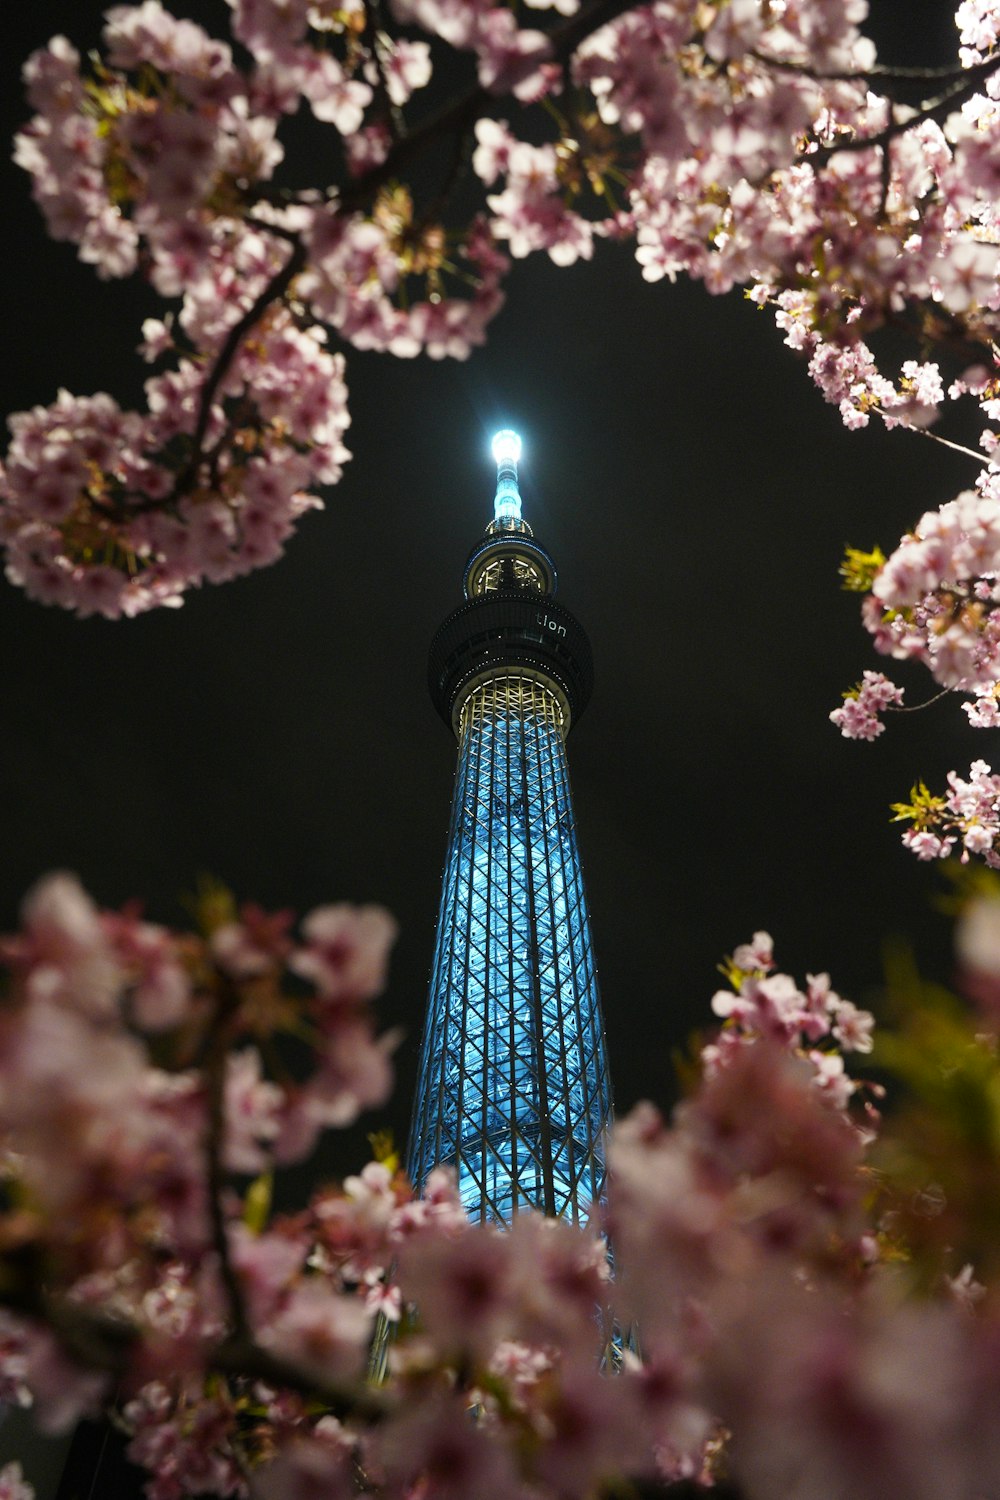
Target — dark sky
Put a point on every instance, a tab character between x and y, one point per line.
696	493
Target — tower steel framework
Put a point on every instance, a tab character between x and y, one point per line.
513	1090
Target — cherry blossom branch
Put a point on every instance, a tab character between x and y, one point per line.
275	289
102	1341
915	708
372	36
889	71
459	116
946	442
255	449
455	119
934	110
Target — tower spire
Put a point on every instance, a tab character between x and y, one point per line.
508	558
507	504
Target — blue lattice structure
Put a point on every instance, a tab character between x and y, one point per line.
513	1090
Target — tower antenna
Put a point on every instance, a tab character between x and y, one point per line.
507	503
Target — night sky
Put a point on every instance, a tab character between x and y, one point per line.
696	493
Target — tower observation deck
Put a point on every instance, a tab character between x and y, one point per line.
513	1089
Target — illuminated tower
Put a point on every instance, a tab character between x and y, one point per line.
513	1088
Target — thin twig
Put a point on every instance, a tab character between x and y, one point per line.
217	371
372	36
937	438
913	708
890	71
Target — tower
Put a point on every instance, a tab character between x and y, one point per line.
513	1089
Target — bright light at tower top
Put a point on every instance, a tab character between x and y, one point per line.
507	505
506	447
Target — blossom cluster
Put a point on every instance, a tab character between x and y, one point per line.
858	717
235	1340
162	158
935	600
967	815
738	144
132	1073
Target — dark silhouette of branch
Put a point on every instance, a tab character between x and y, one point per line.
103	1341
461	114
245	1359
887	72
214	1073
217	371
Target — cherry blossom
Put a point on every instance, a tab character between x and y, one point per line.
858	718
13	1485
735	144
237	1336
935	600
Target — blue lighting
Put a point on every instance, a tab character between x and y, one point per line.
513	1089
506	453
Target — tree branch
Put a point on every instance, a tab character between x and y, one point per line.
246	1359
219	368
227	1003
887	71
936	437
100	1341
934	109
461	113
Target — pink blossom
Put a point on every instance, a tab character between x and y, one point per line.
509	58
853	1027
322	1332
13	1485
186	1442
333	96
253	945
67	955
252	1112
967	276
463	1285
313	1465
800	1379
158	984
757	954
407	67
353	1074
927	845
347	950
435	1448
586	1423
148	33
